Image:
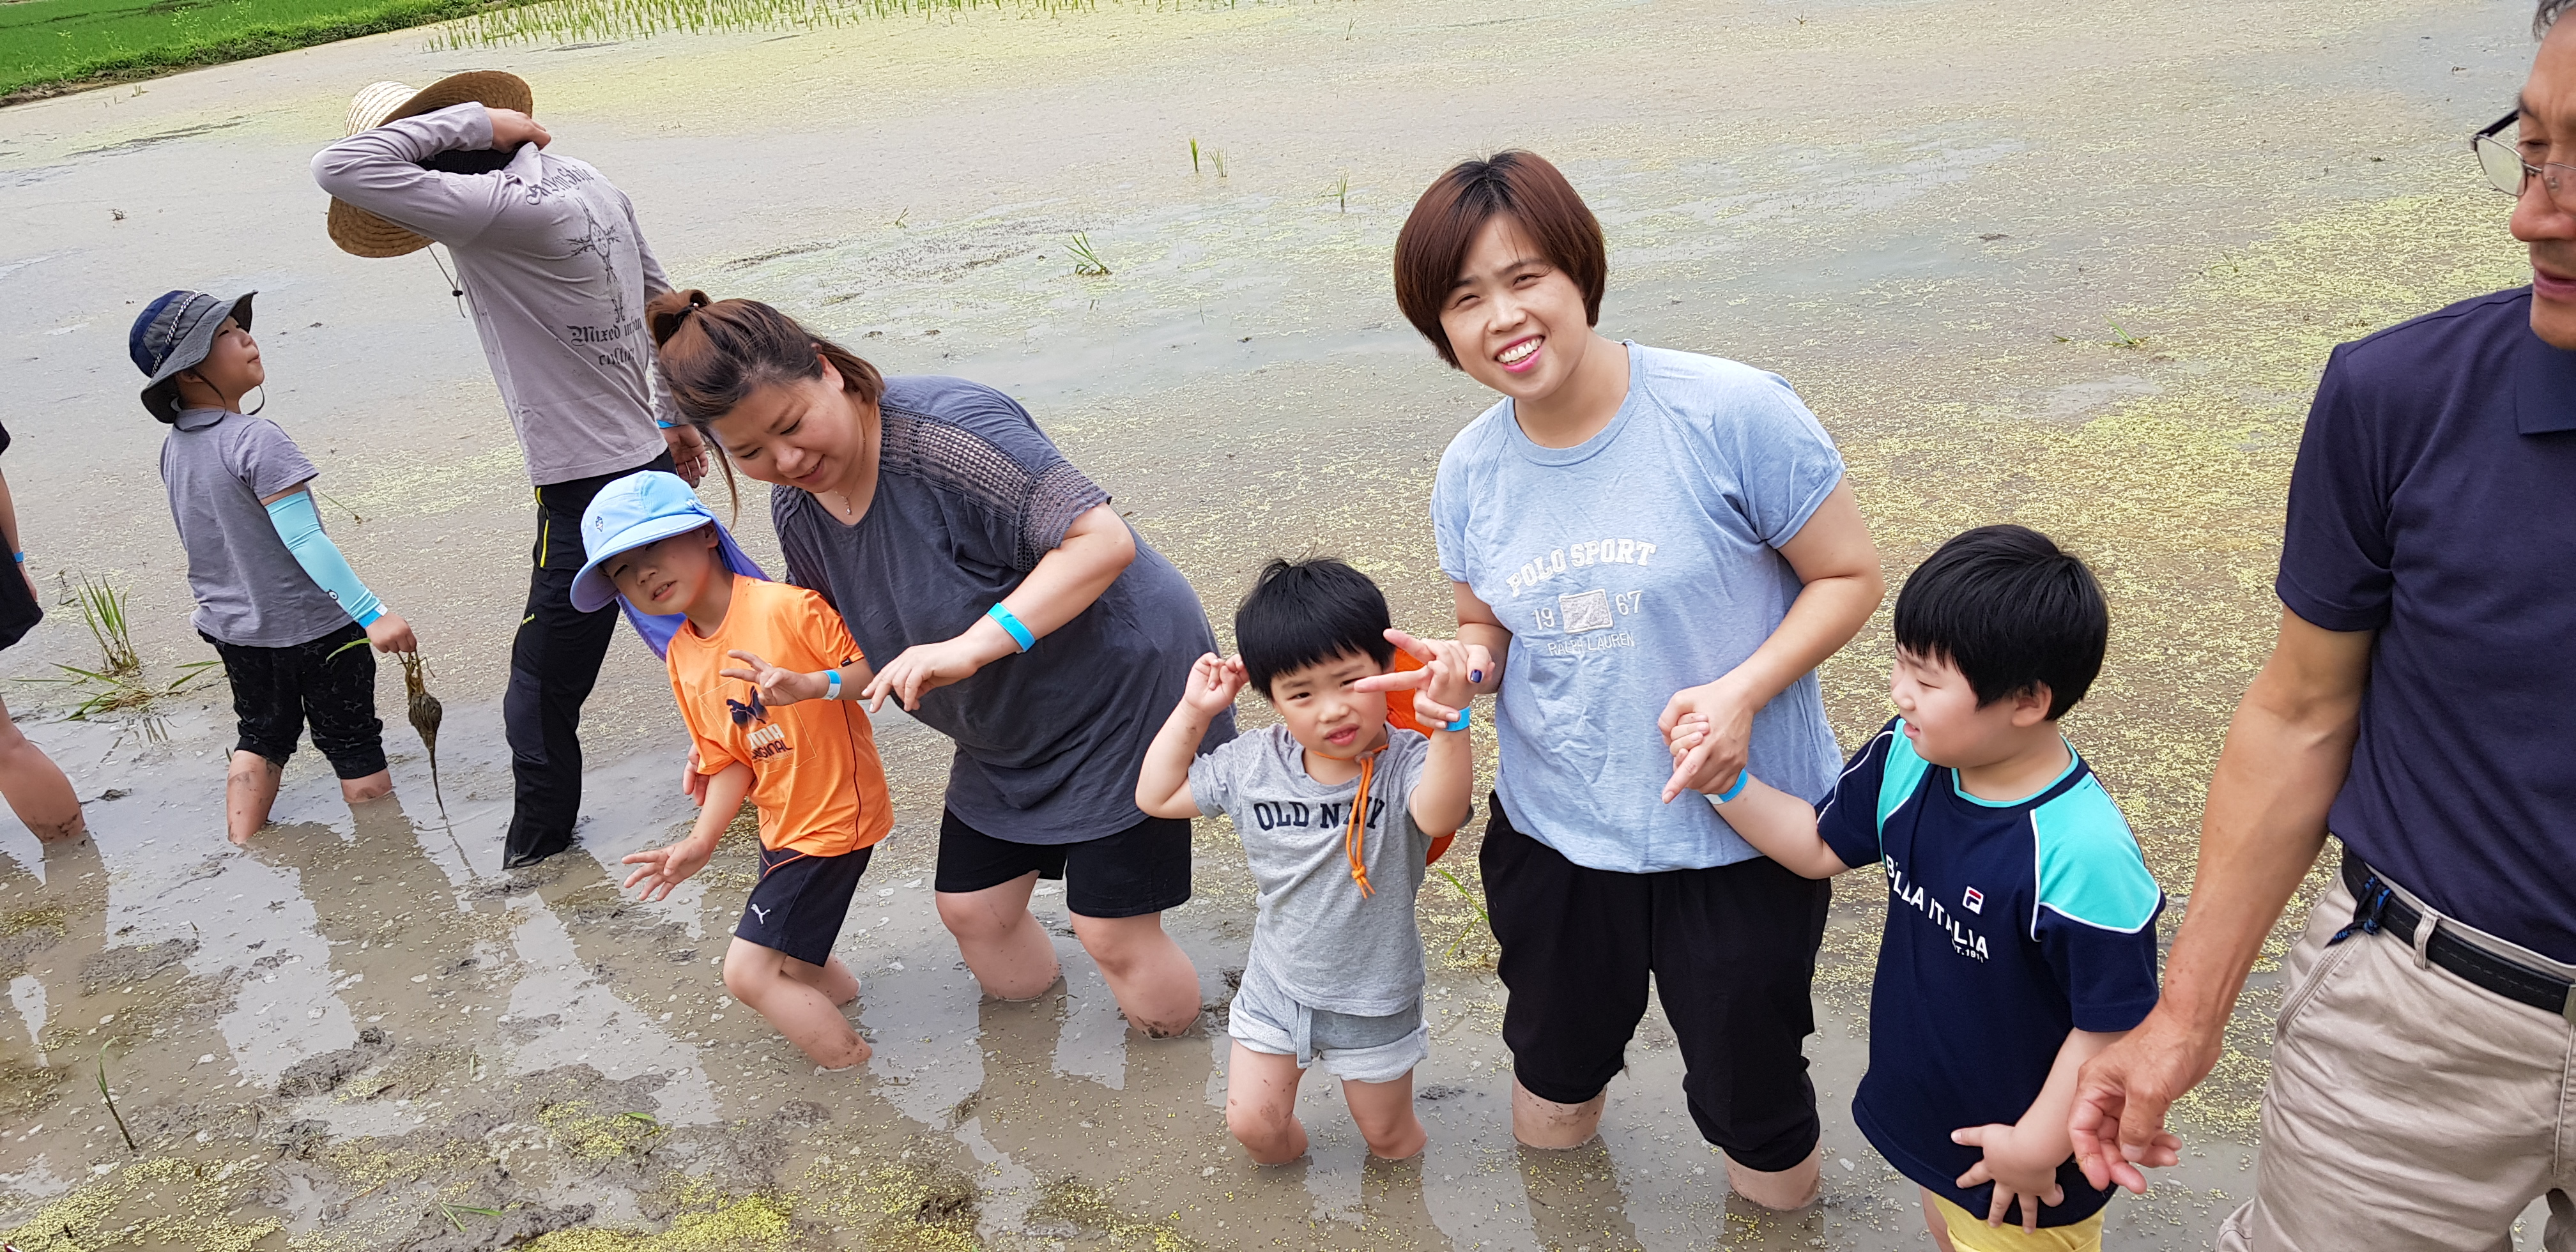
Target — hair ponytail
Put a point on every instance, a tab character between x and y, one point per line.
714	354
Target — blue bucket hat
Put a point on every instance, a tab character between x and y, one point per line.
172	335
634	511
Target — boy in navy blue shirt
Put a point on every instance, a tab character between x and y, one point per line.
2020	936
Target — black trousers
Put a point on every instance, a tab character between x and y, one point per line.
1732	951
553	664
329	683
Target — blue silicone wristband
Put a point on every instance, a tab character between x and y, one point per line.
20	556
1011	622
1466	718
1743	779
663	425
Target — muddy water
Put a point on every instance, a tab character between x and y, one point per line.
2069	264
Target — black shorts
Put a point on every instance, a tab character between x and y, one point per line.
1732	951
801	900
1142	869
326	682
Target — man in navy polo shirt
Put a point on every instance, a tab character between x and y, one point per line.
2420	706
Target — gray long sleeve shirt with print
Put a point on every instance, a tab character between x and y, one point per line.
555	269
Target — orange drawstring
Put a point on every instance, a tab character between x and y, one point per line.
1358	828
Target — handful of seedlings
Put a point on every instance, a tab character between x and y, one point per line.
426	712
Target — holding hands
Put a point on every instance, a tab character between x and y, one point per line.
1718	724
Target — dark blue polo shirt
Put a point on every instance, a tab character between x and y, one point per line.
2435	503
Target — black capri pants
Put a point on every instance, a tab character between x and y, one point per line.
330	683
1733	954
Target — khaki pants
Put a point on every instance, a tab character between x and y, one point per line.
2408	1109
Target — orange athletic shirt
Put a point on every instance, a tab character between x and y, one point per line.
815	774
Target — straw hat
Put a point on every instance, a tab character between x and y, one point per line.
361	233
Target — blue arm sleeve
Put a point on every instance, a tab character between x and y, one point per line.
301	528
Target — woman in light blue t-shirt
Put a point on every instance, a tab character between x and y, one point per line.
1637	536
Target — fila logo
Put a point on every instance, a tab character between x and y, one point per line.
1975	900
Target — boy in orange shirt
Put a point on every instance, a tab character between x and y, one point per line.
782	726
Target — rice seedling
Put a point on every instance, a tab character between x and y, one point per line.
117	684
449	1211
426	714
1087	263
1474	902
2123	339
102	606
111	693
1341	191
567	21
111	1103
1217	159
1194	157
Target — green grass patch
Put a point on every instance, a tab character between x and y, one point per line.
49	46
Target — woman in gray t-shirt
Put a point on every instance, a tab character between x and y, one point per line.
994	593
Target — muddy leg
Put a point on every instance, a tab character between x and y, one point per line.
35	787
1002	942
759	977
1547	1124
832	978
1386	1118
1155	983
1261	1105
375	786
249	791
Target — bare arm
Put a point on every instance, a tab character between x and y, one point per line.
1834	556
2287	752
661	869
1783	827
1163	785
1445	796
1097	548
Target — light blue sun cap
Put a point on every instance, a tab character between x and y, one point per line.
634	511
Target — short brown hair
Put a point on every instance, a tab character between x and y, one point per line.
1519	185
714	354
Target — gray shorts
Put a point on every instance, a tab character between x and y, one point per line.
1267	1019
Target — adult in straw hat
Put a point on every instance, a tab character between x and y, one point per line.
555	270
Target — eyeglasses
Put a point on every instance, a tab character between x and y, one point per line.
2507	172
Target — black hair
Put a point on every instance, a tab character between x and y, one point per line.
1303	613
2011	611
2547	16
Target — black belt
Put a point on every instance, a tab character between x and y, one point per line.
2377	909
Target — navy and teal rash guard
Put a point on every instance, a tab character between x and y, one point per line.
2008	925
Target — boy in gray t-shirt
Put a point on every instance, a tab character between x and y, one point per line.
1338	812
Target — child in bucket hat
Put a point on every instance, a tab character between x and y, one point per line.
768	681
274	595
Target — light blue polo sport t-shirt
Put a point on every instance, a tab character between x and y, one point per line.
1639	562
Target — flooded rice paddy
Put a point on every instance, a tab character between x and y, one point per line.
2074	265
